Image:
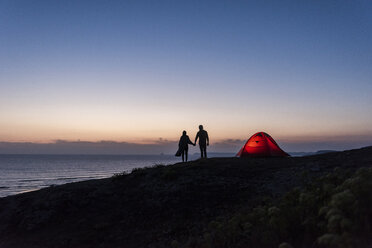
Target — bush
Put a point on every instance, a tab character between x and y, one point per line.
139	171
333	211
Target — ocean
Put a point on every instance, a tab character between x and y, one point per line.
24	173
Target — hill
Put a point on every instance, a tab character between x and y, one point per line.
315	201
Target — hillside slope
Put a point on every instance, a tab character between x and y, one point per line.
169	206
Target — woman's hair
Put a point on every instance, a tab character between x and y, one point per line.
184	132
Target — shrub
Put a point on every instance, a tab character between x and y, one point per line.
333	211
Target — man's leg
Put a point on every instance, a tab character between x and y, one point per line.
201	151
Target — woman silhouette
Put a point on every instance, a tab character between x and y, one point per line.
183	146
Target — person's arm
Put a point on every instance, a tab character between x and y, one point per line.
189	141
197	136
207	138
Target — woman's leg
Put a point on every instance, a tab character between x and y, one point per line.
183	156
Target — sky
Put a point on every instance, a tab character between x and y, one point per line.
141	72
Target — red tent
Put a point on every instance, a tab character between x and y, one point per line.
261	145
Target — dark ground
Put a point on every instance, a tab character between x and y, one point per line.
157	207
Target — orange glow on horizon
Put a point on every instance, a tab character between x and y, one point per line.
97	124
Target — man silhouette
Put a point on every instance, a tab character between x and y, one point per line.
203	141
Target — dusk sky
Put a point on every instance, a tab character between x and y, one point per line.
143	71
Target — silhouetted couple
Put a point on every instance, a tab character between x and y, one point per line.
183	145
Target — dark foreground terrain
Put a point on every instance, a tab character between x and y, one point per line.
315	201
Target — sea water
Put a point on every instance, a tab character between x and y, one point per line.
23	173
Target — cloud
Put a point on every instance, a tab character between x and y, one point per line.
87	147
302	144
165	146
313	146
110	147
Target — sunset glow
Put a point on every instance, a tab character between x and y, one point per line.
140	72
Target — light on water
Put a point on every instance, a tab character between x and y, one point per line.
24	173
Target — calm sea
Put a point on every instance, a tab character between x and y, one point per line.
23	173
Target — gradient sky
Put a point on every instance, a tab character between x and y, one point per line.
137	71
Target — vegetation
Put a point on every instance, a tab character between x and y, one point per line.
333	211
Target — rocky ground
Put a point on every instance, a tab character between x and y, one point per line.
162	206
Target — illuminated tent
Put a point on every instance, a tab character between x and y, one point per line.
261	145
